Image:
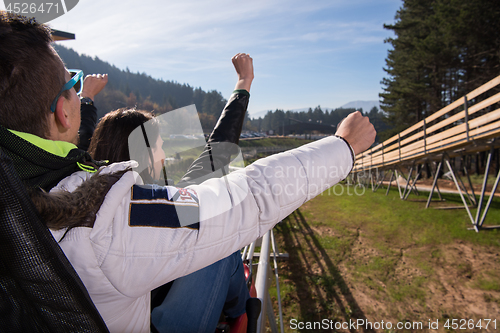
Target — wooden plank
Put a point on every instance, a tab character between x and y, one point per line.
460	101
412	128
392	156
487	86
379	146
413	137
385	154
390	140
416	150
375	152
487	102
446	122
391	148
492	83
364	154
445	110
484	129
446	134
441	140
379	153
473	109
458	139
367	153
411	147
462	128
484	119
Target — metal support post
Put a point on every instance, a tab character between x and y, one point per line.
414	186
408	181
399	144
434	183
472	199
466	109
390	181
261	281
425	137
460	192
397	182
493	190
381	181
382	154
466	172
485	181
371	181
414	182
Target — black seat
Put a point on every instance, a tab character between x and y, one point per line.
39	289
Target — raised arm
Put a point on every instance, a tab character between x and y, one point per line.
243	64
228	127
92	85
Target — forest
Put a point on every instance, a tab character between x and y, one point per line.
312	121
441	50
127	89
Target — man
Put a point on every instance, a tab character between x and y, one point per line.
128	240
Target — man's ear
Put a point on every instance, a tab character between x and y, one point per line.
61	114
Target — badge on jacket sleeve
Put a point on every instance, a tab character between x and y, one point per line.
163	207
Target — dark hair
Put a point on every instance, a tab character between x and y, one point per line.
110	138
31	74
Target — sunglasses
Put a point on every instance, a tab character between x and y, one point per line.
75	82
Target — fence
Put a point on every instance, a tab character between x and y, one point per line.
469	125
443	131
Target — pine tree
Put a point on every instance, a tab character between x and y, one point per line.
442	49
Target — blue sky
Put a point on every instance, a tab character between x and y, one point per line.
306	53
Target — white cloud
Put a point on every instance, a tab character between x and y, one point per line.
293	42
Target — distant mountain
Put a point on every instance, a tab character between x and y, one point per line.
365	105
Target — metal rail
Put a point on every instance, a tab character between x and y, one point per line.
262	280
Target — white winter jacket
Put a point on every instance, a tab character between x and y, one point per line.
136	245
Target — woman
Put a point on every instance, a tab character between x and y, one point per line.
194	302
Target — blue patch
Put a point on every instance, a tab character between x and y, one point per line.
149	192
163	207
174	194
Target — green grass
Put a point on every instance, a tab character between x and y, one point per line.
389	248
390	219
488	282
479	179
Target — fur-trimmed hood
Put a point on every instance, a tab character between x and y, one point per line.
75	201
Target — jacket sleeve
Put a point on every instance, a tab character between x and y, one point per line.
87	125
233	211
227	131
